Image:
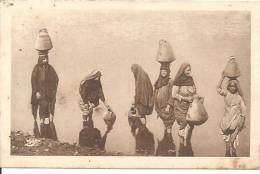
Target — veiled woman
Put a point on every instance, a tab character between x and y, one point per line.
162	95
91	92
143	99
44	82
182	96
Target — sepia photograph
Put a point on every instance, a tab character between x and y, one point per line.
130	82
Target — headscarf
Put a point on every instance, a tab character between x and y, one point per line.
236	82
43	70
41	58
91	89
143	86
43	52
92	75
181	79
163	81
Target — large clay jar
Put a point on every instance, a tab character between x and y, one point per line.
109	118
197	113
165	53
232	70
43	41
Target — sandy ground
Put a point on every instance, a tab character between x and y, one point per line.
26	145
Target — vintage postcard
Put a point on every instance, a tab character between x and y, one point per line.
136	84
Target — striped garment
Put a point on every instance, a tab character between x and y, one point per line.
85	108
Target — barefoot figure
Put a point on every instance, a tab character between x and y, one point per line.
162	96
182	96
44	82
234	115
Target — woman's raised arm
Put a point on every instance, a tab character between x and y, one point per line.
219	86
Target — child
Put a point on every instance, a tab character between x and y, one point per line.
234	114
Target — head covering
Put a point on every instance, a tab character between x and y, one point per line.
163	81
235	82
165	65
181	79
92	75
43	52
88	123
143	87
42	57
91	89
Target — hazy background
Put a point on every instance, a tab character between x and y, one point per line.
113	40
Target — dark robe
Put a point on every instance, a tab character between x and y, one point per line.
91	91
44	80
144	101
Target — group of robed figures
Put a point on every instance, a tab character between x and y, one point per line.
173	100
